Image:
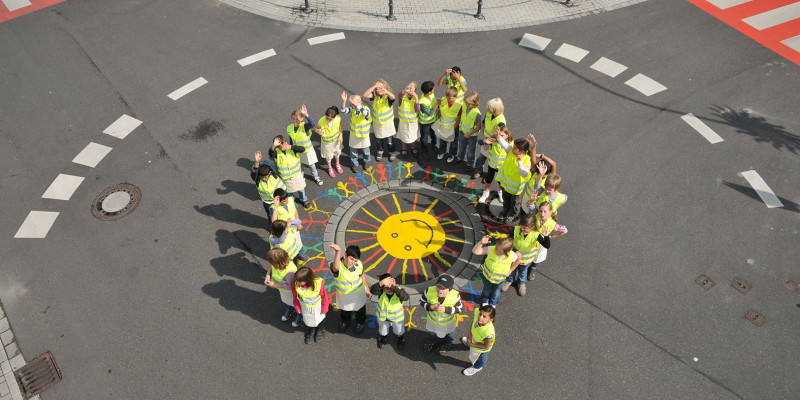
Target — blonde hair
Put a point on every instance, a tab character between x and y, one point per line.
451	91
385	84
297	113
507	131
353	98
495	106
278	258
472	99
554	181
414	84
504	245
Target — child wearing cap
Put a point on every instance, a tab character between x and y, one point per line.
442	303
389	309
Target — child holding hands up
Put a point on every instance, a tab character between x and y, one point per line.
389	309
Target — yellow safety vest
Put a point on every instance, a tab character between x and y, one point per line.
491	122
480	333
550	224
331	133
407	110
449	301
300	137
468	118
279	275
286	212
429	102
510	178
390	309
384	113
494	269
448	113
359	124
526	245
291	244
347	281
532	182
288	164
267	188
496	155
557	202
457	85
310	296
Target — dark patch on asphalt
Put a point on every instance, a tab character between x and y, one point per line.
162	153
203	131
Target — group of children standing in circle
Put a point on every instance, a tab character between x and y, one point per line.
451	127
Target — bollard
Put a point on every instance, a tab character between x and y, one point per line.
391	16
479	15
306	9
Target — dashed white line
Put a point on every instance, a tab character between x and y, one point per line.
702	128
608	67
725	4
793	42
91	155
326	38
187	88
36	225
63	187
256	57
14	5
645	85
763	190
571	52
774	17
122	127
535	42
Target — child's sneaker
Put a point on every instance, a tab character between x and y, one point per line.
414	152
521	289
464	341
476	174
392	157
303	258
319	180
307	338
484	197
440	156
330	173
297	321
403	152
471	371
500	197
381	341
401	342
319	334
379	157
451	158
505	287
339	168
286	315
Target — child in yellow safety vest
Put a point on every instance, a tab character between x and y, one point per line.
287	159
282	235
407	110
500	262
389	309
480	339
453	79
360	121
311	301
551	191
530	194
383	117
442	302
513	176
445	126
265	175
280	276
527	241
330	130
427	116
494	118
497	155
285	209
546	220
299	132
352	291
469	130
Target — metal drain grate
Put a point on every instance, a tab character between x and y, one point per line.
741	286
755	317
116	202
705	282
38	375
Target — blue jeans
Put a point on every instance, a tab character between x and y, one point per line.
313	170
521	272
354	155
384	143
466	148
300	195
481	361
479	163
425	132
453	147
448	339
491	291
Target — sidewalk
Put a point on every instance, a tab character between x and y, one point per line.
10	361
421	16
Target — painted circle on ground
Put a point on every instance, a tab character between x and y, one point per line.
116	201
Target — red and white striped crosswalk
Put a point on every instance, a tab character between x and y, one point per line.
773	23
10	9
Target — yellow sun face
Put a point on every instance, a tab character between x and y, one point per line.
411	234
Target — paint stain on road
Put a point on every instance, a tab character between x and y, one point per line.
203	131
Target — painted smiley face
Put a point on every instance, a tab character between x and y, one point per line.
410	235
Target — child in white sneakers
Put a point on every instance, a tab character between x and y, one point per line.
480	339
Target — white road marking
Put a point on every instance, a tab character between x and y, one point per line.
63	187
256	57
646	85
535	42
14	5
571	52
774	17
702	128
608	67
122	127
326	38
763	190
793	42
36	225
725	4
91	155
187	88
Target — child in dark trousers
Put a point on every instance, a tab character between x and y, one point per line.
352	291
389	309
427	116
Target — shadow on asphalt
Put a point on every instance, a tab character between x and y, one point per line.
265	306
758	128
751	193
244	189
239	267
224	212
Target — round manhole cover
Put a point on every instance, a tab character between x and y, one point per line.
116	202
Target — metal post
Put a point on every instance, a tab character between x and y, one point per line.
391	16
479	15
307	9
